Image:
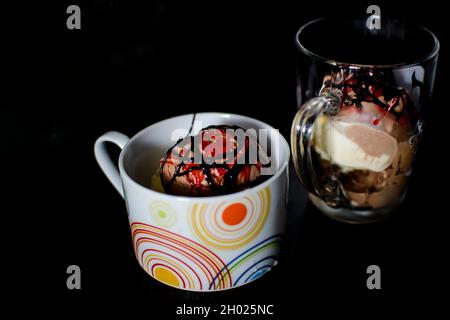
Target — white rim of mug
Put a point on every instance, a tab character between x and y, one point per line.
401	65
258	187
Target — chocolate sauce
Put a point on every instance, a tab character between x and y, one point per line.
370	86
231	173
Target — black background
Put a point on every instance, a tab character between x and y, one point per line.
133	64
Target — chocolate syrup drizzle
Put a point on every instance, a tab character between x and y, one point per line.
369	86
230	177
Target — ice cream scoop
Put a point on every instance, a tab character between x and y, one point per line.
354	145
213	162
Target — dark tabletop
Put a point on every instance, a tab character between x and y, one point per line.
130	66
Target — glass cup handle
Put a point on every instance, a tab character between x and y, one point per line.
301	142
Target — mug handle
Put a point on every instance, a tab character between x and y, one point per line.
301	142
104	159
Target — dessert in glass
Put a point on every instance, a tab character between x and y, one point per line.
354	139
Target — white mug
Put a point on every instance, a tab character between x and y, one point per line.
198	243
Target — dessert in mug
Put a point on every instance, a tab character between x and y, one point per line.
225	164
367	147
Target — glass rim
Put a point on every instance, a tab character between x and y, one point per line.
333	62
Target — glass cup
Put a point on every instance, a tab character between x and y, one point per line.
364	96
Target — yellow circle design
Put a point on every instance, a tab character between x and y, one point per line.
163	214
166	276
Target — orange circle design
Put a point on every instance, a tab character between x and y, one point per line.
230	225
234	214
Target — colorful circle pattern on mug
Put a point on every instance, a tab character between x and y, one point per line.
221	227
230	225
253	262
178	261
